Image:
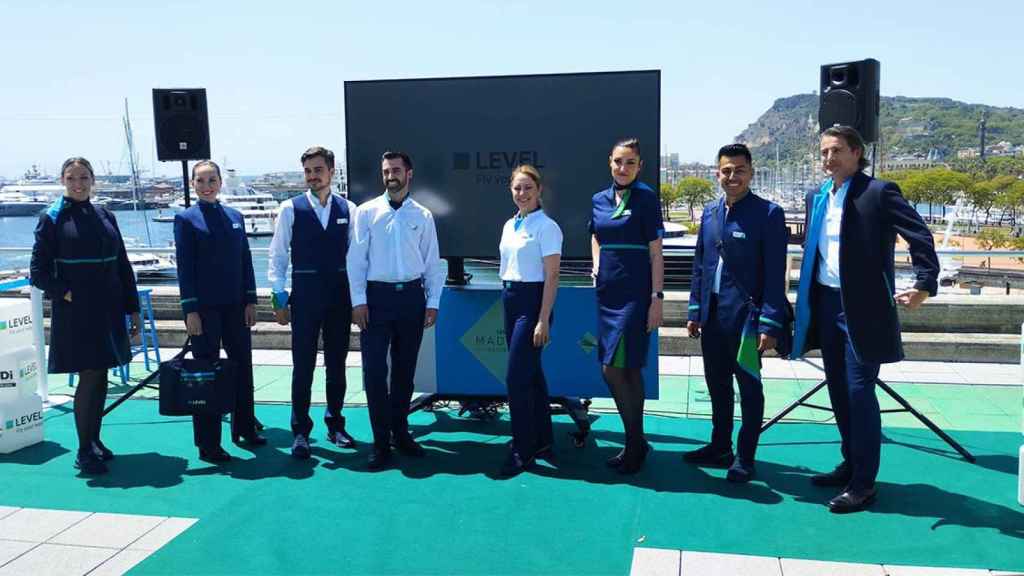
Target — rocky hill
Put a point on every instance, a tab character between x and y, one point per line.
923	127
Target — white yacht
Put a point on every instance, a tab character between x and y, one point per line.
150	265
27	199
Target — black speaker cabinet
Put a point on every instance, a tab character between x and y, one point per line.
182	125
849	96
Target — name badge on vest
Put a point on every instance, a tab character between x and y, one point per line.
236	225
342	221
738	234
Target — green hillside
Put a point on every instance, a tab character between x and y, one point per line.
909	126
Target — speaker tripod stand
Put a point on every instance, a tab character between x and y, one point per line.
905	407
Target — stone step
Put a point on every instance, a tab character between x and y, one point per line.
673	341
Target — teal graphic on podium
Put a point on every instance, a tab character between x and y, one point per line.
472	353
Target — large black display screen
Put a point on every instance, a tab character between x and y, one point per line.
465	136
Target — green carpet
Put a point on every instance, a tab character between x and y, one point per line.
952	406
447	514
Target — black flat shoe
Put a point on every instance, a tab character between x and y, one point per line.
90	464
839	477
341	439
852	501
215	456
251	440
710	456
300	447
616	461
547	454
632	464
101	451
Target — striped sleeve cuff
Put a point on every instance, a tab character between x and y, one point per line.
189	305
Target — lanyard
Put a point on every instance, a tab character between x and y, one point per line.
622	204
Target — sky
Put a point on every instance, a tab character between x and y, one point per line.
274	71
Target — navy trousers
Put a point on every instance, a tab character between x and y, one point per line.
528	404
396	319
225	326
720	342
851	387
308	321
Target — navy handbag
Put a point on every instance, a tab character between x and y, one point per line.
194	387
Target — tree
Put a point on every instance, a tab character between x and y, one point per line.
1008	195
982	196
993	238
934	186
695	192
670	194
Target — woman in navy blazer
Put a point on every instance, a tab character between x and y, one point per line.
218	298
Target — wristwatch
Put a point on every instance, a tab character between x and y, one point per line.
658	295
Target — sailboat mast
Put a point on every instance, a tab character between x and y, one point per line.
134	167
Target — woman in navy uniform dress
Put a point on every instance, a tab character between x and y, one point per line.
218	298
531	251
80	262
626	230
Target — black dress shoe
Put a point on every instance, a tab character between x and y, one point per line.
710	456
215	456
89	463
407	446
839	477
852	501
252	440
379	459
341	439
101	451
513	465
740	472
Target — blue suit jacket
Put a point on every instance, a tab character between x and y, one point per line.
873	213
754	238
214	261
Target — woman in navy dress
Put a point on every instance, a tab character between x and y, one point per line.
531	251
218	298
80	263
626	230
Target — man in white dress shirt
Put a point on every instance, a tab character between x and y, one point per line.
395	277
314	230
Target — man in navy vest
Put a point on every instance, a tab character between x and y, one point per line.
396	281
846	303
314	228
737	303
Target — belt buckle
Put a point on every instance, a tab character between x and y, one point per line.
399	286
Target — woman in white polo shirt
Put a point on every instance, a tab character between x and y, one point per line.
531	251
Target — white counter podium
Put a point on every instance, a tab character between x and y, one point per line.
21	408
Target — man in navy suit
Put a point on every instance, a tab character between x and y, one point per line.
846	304
737	303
